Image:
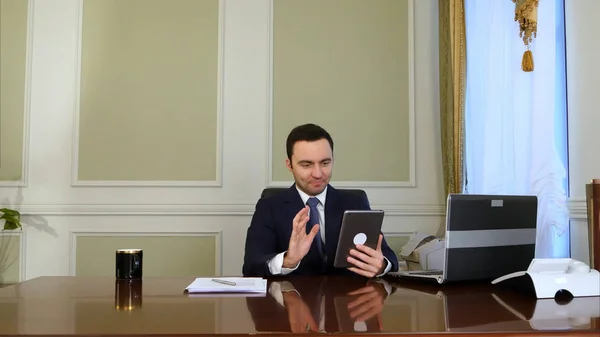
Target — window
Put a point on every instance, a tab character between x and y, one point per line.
515	121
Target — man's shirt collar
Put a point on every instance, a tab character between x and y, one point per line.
321	196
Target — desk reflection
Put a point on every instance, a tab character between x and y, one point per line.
549	314
474	308
128	295
84	306
325	304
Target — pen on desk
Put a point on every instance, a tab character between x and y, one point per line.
224	282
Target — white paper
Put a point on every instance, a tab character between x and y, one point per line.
412	244
242	285
224	295
431	255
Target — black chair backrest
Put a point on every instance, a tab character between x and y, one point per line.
274	190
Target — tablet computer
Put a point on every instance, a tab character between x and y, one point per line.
358	227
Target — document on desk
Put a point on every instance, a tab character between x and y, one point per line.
227	285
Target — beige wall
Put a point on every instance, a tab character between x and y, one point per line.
350	69
148	99
10	257
162	255
100	167
13	80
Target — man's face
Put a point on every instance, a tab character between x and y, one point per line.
311	165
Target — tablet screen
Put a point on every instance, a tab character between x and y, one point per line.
358	227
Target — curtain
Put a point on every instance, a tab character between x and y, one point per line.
452	91
514	118
452	46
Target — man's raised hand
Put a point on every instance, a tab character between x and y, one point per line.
299	241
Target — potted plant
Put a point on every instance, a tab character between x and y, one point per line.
12	221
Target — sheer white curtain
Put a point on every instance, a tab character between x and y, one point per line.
514	120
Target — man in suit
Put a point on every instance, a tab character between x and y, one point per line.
296	232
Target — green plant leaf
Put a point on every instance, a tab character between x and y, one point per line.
10	225
12	219
10	211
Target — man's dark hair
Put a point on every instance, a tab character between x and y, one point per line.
306	132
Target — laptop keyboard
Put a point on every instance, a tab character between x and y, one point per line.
425	272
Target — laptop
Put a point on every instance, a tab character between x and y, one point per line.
487	236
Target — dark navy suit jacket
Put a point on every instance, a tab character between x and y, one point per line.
271	227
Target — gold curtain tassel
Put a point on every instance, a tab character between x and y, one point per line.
527	63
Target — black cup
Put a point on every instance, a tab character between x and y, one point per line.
128	264
128	295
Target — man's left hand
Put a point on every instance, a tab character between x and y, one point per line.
368	262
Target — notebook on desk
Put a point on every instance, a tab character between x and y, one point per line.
246	285
487	236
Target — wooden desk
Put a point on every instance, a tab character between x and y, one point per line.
158	306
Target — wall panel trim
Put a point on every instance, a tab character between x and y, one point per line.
150	183
411	182
22	235
216	235
242	209
397	234
27	103
577	208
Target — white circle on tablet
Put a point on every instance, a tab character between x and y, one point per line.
360	239
360	326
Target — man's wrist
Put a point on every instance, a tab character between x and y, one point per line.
387	265
290	296
289	262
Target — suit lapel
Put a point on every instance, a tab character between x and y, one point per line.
293	204
333	220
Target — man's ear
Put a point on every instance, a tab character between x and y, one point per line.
288	164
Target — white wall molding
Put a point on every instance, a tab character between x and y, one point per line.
356	184
139	209
412	210
22	235
242	209
411	182
577	208
398	234
26	103
216	235
150	183
23	256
